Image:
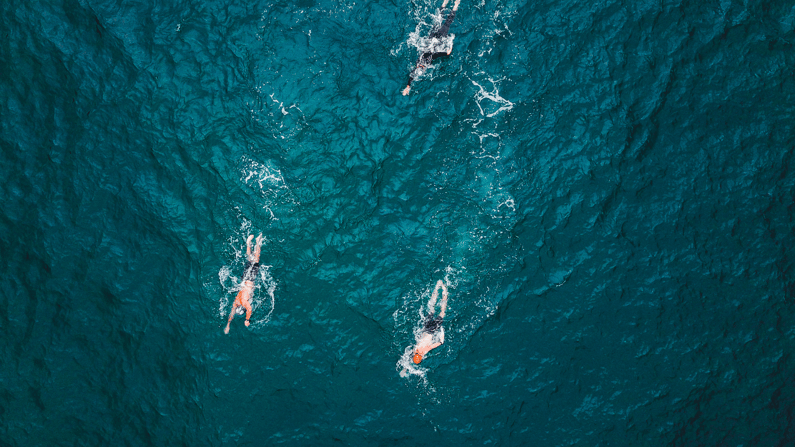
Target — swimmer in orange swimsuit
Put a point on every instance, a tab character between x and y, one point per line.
243	298
432	332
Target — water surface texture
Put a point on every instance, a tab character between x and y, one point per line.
607	188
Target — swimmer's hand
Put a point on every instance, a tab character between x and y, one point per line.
451	45
406	90
226	329
247	323
259	239
250	237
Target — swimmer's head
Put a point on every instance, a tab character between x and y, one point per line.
417	357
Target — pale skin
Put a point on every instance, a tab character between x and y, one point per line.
243	297
407	89
425	343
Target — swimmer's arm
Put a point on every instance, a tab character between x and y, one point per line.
232	313
426	349
406	90
228	322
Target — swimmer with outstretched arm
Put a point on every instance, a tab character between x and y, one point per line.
426	58
432	324
243	298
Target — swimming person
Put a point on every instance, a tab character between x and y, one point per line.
243	298
432	331
426	58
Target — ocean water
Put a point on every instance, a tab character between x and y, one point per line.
607	188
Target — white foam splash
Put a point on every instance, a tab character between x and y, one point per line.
431	45
285	121
494	97
223	302
269	181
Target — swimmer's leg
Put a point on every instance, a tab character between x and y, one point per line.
235	305
446	26
248	246
258	248
231	316
434	296
444	298
442	32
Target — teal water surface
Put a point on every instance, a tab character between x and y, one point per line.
606	187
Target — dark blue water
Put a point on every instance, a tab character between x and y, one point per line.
607	188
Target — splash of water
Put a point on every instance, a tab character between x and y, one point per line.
490	103
269	182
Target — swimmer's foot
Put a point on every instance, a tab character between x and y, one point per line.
455	7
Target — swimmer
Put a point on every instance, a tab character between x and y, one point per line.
432	331
243	298
426	58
